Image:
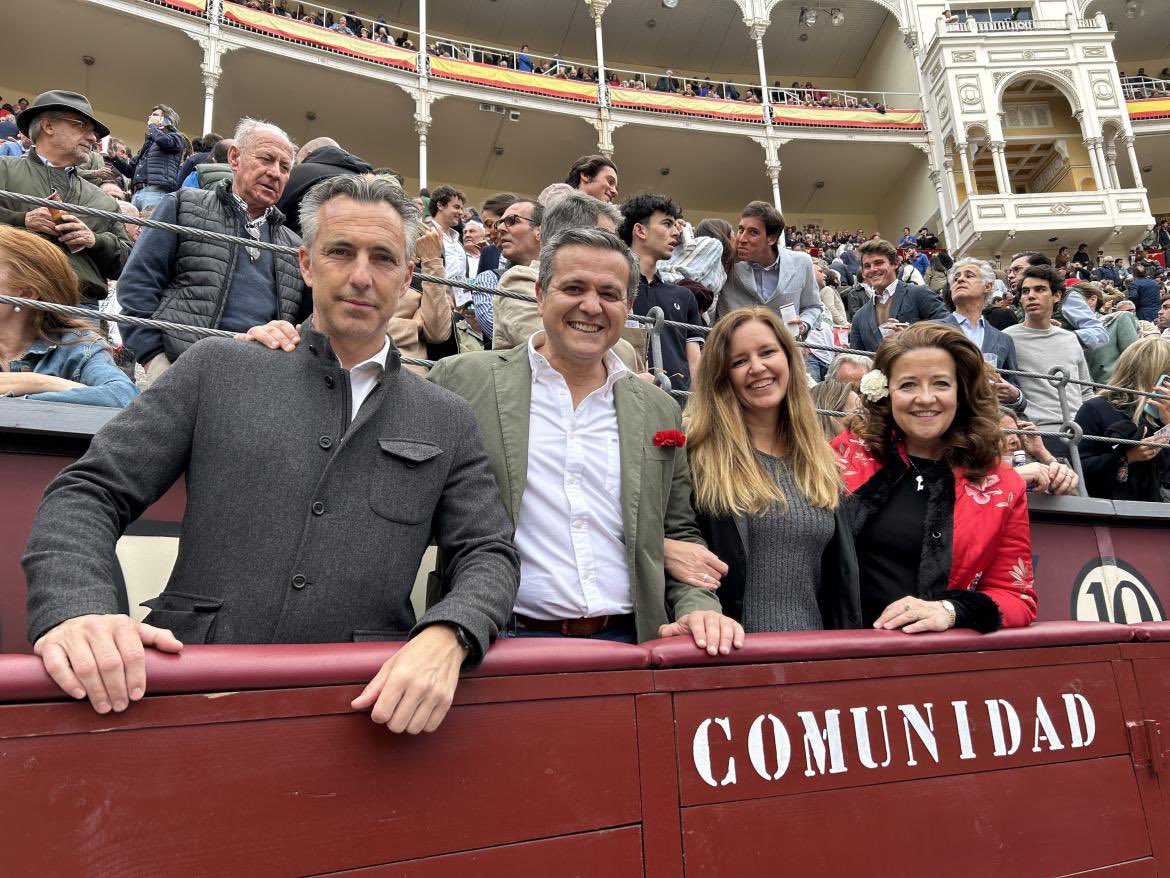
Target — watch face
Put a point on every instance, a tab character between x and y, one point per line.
670	4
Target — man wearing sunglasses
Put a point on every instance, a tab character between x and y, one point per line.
65	133
518	236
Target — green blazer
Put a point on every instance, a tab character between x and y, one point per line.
655	482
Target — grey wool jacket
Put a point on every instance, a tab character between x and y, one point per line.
301	526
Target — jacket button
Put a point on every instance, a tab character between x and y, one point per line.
936	535
318	508
299	581
325	442
328	380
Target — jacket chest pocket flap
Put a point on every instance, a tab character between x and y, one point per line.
407	480
190	617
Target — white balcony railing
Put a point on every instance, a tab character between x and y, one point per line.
973	26
1141	88
378	41
1125	210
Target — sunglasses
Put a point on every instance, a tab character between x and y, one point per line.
509	221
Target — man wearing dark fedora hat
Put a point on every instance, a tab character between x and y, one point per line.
64	133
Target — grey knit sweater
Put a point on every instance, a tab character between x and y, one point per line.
784	567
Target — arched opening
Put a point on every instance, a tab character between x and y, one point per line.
1117	167
1044	148
839	53
982	162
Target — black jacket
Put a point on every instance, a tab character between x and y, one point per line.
328	161
840	593
1102	463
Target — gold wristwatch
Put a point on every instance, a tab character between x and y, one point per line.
950	608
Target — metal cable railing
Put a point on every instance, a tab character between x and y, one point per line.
1060	377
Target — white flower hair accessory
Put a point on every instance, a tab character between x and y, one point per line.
874	385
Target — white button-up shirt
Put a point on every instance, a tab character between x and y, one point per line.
364	376
454	256
570	531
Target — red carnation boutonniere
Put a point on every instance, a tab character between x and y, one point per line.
669	439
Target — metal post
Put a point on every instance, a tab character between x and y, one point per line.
1071	429
654	363
602	96
422	38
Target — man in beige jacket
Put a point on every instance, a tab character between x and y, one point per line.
425	316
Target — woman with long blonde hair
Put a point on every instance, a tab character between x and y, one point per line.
766	488
1133	472
44	356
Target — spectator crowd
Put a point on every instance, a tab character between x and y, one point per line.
582	474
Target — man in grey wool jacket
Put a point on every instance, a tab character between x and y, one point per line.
315	480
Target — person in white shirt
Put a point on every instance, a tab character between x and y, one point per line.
474	240
446	213
589	461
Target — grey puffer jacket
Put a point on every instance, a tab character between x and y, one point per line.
202	277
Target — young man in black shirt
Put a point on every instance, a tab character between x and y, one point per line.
651	230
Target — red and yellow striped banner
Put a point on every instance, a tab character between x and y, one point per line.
290	28
199	6
847	118
1152	108
514	80
715	108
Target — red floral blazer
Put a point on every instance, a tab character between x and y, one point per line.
992	542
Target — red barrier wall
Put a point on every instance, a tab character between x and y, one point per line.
1100	568
1020	753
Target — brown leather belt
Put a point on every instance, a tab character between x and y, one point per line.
576	627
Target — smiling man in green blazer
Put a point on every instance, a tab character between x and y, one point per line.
575	444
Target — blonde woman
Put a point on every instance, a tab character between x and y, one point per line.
766	488
832	395
44	356
1134	472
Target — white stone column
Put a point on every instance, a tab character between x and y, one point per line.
949	190
965	162
1111	164
1097	161
1134	164
757	27
421	128
773	171
421	62
210	83
1002	176
605	127
213	51
596	10
771	146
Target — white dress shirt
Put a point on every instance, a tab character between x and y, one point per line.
364	376
570	531
454	256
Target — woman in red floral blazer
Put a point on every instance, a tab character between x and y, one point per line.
941	525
